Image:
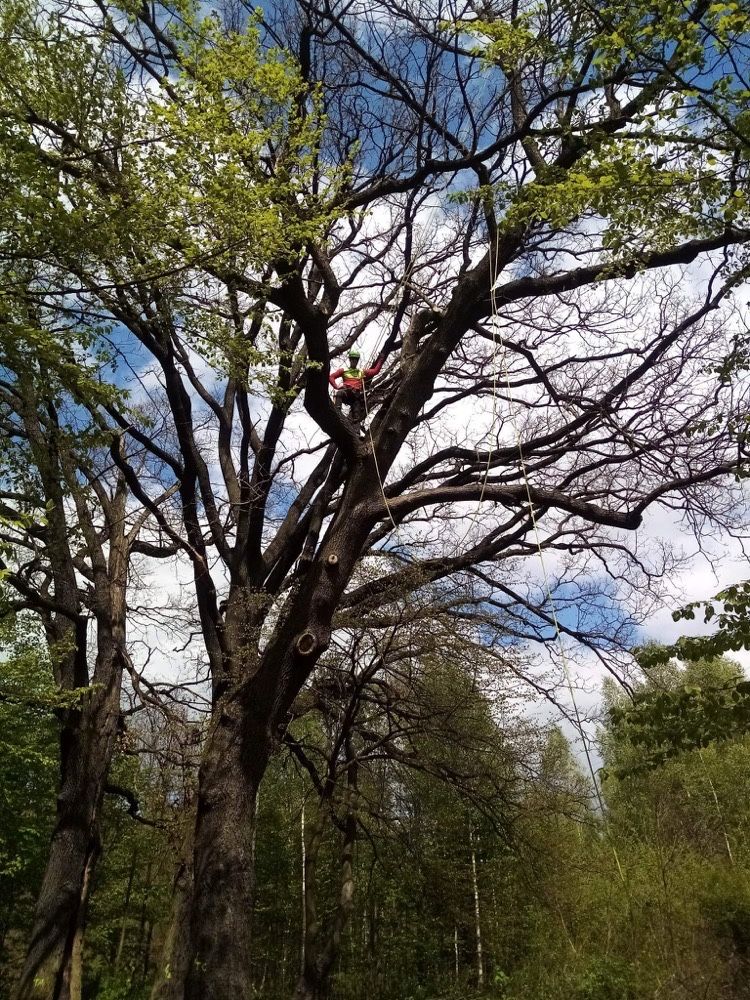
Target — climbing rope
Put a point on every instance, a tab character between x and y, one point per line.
493	277
500	349
375	458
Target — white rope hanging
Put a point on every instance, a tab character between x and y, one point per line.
493	262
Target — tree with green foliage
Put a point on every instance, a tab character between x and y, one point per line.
28	776
681	709
69	532
673	778
387	707
728	614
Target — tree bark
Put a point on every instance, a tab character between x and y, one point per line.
234	761
175	956
87	752
75	968
89	730
477	912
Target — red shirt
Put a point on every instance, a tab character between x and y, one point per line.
354	377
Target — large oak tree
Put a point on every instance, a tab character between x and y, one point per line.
243	197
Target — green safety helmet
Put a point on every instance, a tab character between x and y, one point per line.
354	353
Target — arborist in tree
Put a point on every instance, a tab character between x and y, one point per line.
352	391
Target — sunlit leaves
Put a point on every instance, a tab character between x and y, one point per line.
114	182
506	43
666	719
673	169
232	163
729	615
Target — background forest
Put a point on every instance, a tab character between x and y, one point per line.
481	861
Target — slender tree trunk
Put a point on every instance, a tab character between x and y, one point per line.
144	930
4	927
308	977
285	938
145	950
320	957
125	908
371	941
175	956
303	938
477	912
88	744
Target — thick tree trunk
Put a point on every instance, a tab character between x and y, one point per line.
87	747
249	708
75	967
234	760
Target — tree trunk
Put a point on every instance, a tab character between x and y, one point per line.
303	935
145	950
233	763
477	912
249	707
89	730
319	958
143	947
306	990
125	912
308	981
175	957
86	746
75	968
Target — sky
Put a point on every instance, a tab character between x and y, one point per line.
721	561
